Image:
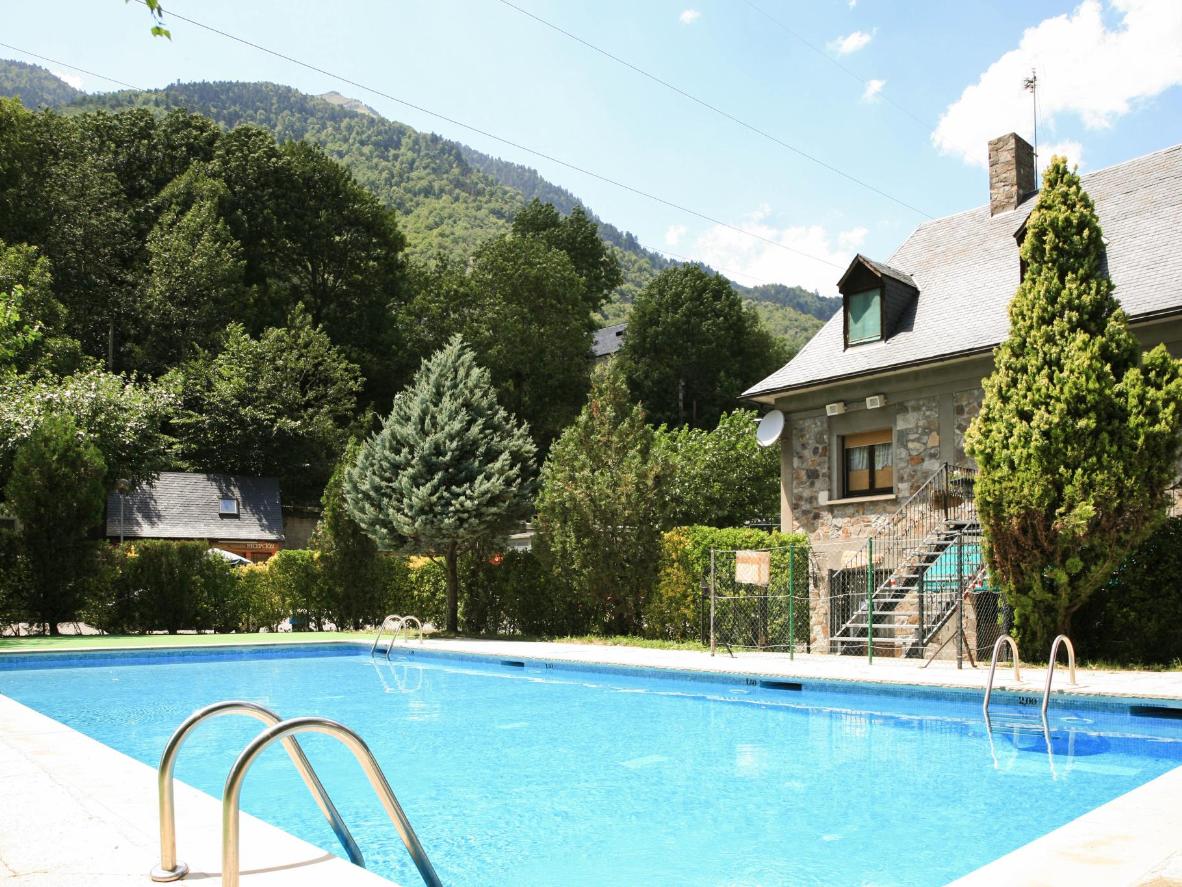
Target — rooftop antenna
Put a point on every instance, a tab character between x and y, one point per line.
1030	84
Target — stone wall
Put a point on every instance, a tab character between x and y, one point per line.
966	405
917	444
927	432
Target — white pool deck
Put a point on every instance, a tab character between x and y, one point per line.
76	812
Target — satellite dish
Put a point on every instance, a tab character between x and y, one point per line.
771	426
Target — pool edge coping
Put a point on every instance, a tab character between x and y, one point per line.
112	798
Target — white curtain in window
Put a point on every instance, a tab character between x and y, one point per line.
859	458
882	456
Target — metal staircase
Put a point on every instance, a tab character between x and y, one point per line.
918	569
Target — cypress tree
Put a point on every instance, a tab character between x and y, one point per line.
56	492
449	468
1077	439
600	506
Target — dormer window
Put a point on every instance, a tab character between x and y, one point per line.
863	317
877	301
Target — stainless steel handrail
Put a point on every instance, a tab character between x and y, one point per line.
373	771
170	869
398	624
403	624
1046	691
1013	645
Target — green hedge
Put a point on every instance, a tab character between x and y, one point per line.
674	609
1136	618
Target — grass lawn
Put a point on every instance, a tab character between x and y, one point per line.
70	642
76	642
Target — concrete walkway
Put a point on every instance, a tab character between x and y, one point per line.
1155	685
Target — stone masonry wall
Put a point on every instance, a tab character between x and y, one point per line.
837	529
966	405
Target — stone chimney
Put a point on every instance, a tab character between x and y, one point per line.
1011	173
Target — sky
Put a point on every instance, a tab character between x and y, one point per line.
900	96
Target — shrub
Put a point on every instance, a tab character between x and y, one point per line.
262	605
13	577
357	578
297	585
1134	618
166	585
512	593
674	609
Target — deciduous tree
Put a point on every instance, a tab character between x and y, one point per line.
721	477
693	346
279	405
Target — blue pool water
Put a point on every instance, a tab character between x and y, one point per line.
543	775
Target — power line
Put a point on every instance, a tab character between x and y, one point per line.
71	67
717	110
662	252
550	157
927	125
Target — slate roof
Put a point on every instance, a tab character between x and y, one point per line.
608	340
180	505
966	269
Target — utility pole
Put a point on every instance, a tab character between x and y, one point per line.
1030	84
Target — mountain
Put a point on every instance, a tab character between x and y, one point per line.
35	86
448	196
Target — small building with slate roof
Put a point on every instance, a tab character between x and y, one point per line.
239	514
882	396
608	341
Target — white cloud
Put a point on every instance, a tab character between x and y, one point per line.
751	261
853	3
873	88
1084	69
850	42
689	16
1068	148
674	234
73	79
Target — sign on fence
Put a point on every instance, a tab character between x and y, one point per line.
753	567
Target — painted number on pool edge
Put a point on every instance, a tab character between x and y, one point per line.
1027	700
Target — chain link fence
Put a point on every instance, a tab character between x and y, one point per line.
759	599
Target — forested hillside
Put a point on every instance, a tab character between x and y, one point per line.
449	197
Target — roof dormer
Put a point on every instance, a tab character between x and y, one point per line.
874	297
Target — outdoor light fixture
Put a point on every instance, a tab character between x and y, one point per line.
835	409
875	401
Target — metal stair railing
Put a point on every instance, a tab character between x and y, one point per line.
169	868
404	623
937	513
393	622
1013	645
1046	692
231	796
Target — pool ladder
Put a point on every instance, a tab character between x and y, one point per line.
1006	640
395	624
170	869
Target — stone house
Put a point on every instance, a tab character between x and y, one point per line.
242	515
882	396
884	393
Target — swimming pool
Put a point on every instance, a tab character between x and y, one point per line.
522	773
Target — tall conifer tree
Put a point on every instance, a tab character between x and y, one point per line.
449	468
1077	439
